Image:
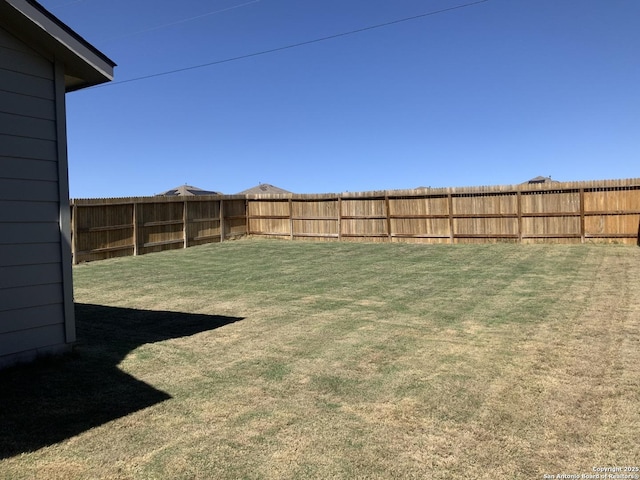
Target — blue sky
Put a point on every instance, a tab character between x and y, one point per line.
493	93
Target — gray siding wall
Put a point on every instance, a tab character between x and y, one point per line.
32	312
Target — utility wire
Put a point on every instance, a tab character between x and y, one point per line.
185	20
294	45
67	4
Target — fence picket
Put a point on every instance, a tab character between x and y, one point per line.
571	212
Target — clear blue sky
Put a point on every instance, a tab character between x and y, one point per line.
494	93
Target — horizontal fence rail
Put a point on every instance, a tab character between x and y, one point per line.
573	212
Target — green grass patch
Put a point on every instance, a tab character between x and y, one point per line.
273	360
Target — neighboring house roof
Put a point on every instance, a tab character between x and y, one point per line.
263	188
187	191
541	180
84	65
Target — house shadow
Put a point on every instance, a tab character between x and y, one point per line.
54	399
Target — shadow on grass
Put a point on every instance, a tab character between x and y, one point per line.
52	400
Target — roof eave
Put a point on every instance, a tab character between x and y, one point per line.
85	65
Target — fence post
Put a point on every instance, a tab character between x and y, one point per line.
450	201
582	228
386	204
290	219
221	210
135	229
74	233
246	215
519	212
339	218
185	217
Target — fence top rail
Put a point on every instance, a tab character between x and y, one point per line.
159	199
482	190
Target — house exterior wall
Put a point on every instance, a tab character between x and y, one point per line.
36	306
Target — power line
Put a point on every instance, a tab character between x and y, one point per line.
185	20
294	45
68	3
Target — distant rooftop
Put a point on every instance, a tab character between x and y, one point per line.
187	191
541	180
263	188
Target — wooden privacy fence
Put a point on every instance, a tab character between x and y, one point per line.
576	212
114	227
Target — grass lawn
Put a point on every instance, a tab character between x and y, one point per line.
260	359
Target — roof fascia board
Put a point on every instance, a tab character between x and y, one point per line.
81	59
